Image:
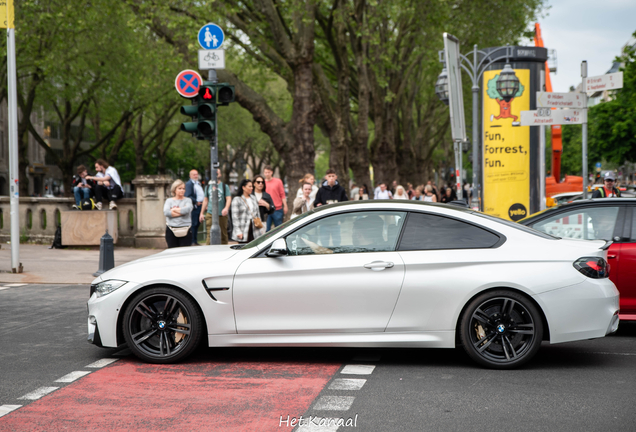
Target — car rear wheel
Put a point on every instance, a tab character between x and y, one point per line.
162	325
501	329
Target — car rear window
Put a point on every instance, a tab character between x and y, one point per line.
517	226
426	231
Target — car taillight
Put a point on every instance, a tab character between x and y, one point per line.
593	267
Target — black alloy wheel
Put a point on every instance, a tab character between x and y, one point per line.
162	325
501	329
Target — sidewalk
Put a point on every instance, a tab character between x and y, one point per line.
60	266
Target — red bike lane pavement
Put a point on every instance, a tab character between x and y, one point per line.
197	396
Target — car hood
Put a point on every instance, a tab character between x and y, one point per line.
170	261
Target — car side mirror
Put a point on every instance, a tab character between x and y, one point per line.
278	248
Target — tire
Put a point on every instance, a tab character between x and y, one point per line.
501	329
162	325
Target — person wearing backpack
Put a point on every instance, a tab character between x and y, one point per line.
608	190
225	201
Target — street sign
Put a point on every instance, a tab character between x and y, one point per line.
561	100
187	83
604	82
547	117
211	37
211	59
455	96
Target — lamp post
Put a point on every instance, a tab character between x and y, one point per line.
507	86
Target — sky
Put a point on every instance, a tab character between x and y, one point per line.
592	30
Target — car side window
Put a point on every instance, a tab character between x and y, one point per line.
425	231
353	232
585	223
633	233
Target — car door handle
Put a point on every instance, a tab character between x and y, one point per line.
378	265
611	256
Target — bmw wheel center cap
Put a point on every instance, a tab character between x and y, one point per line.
161	324
501	328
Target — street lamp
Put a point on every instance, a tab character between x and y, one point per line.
475	68
441	86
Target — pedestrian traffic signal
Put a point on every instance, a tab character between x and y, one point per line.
192	111
225	94
206	110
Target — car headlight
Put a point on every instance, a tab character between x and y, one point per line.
107	287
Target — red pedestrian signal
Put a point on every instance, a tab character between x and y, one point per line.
207	94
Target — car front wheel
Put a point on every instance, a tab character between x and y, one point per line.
162	325
501	329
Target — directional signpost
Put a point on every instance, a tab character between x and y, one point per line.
561	100
549	117
604	82
576	108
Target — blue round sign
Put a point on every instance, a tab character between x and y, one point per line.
211	36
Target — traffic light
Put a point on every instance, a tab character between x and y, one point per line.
192	111
225	94
206	110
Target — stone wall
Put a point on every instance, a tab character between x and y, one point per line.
39	218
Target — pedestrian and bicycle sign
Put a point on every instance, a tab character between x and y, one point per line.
187	83
211	37
211	59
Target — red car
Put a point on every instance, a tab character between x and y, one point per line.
602	218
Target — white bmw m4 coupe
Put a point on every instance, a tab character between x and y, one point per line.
364	274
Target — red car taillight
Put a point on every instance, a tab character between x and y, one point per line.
593	267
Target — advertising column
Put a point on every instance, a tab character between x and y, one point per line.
511	154
506	150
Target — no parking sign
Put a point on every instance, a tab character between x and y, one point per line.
187	83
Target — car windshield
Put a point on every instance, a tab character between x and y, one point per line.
273	232
517	226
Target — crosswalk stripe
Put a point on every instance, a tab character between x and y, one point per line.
72	376
101	363
347	384
334	403
38	393
358	369
6	409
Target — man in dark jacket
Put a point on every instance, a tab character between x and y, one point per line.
330	192
608	190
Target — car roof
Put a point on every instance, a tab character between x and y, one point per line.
596	202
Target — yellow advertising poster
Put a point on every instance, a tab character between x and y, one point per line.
506	149
6	14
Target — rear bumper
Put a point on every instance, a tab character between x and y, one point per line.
586	310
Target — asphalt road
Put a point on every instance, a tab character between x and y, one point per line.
580	386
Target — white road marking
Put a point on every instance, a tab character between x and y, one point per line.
38	393
6	409
101	363
358	369
334	403
4	288
72	376
15	285
347	384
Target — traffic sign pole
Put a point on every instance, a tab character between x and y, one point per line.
215	229
584	130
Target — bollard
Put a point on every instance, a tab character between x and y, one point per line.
106	254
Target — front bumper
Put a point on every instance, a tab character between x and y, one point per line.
103	313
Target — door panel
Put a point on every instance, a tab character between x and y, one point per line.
317	293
